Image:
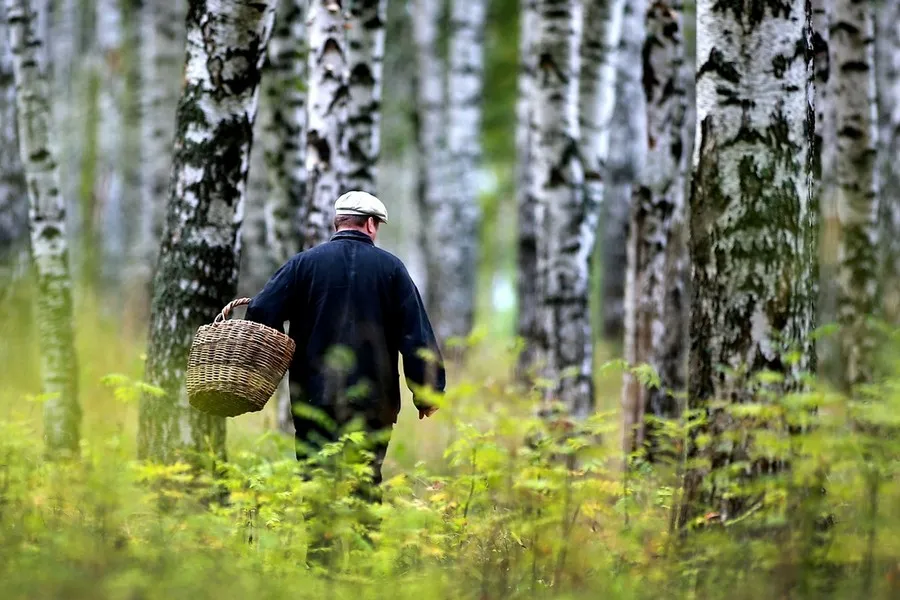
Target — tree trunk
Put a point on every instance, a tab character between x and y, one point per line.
365	45
853	90
162	60
198	264
887	61
327	117
14	257
656	305
59	369
566	222
436	214
753	217
628	138
109	186
284	137
526	288
455	300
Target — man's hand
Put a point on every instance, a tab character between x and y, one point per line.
427	412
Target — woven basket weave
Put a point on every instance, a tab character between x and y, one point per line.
235	366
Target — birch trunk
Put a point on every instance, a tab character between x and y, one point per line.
327	117
526	288
365	47
14	257
655	295
566	222
627	136
455	301
109	185
62	413
162	59
753	217
199	258
853	90
887	45
432	187
284	138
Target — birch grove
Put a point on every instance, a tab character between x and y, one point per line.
753	217
200	253
852	90
47	221
656	303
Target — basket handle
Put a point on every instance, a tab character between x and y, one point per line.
229	307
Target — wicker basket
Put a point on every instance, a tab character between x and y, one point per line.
235	366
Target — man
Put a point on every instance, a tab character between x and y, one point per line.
352	308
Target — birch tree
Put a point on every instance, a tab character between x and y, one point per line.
327	116
655	294
284	131
162	58
526	288
455	302
365	47
436	215
753	217
887	45
198	264
565	221
628	135
13	194
47	215
109	186
853	92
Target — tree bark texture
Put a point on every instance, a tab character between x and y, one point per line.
14	257
655	296
365	47
327	117
284	137
566	222
856	200
627	135
753	215
526	283
198	264
162	59
887	61
47	215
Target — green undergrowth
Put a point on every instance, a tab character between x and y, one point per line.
483	501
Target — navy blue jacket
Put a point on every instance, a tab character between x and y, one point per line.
352	308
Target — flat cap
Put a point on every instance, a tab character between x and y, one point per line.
361	204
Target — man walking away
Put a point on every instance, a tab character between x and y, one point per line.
352	309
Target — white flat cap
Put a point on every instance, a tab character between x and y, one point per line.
362	204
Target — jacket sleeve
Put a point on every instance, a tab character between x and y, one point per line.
271	306
417	336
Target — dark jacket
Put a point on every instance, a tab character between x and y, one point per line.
352	308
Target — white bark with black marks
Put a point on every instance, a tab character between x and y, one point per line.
198	264
284	131
856	201
365	47
753	214
887	61
655	296
628	143
566	223
14	258
162	36
526	283
47	215
327	117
